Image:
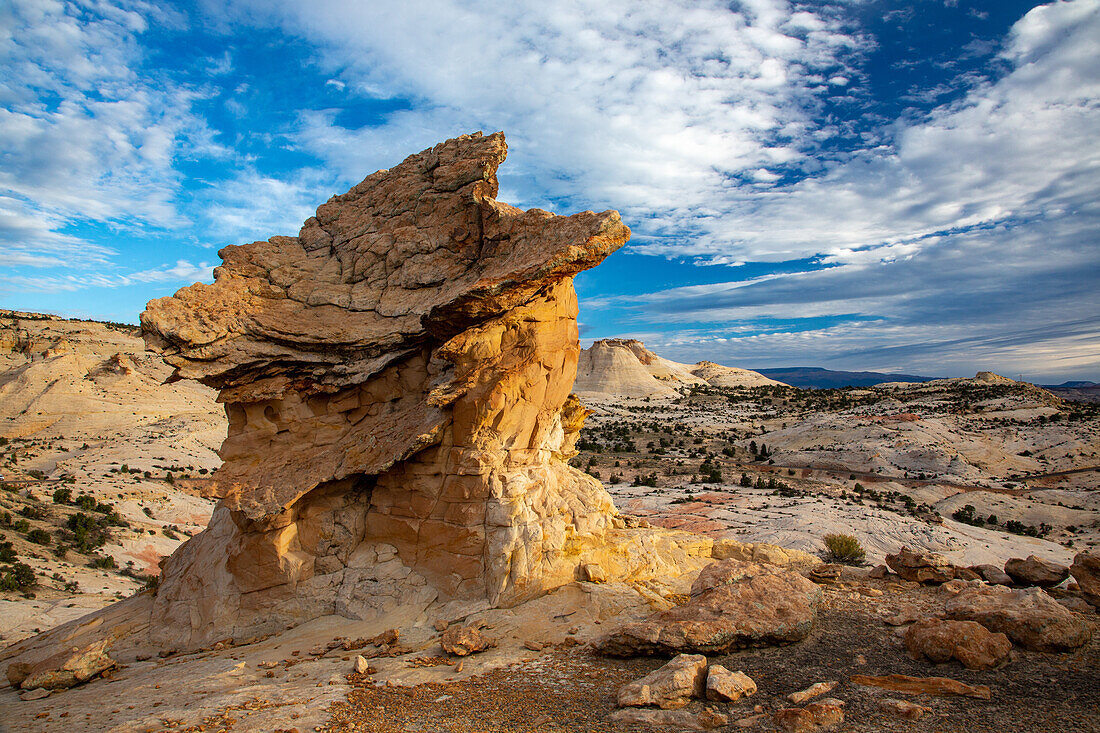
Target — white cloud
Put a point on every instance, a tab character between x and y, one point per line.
182	271
616	103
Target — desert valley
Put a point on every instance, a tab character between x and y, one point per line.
368	480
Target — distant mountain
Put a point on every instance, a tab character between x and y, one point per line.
1078	391
818	378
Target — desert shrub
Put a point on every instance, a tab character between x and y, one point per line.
32	511
104	562
844	548
19	576
39	537
62	496
85	502
7	553
21	526
88	533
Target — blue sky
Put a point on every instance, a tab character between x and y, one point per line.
852	184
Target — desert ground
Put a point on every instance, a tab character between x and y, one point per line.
923	466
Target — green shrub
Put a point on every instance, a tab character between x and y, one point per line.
19	576
62	496
39	537
844	548
104	562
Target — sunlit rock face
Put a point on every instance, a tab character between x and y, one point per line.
397	380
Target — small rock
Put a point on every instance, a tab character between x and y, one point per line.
901	616
921	566
817	717
969	642
825	574
750	722
904	708
673	720
36	694
1086	571
992	574
953	587
593	573
820	688
1075	604
878	572
726	686
533	645
1036	571
441	625
670	686
464	640
361	665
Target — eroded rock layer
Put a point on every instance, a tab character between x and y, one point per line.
397	383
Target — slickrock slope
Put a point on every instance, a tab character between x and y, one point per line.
82	379
626	368
397	380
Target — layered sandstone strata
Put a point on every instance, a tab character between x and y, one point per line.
397	380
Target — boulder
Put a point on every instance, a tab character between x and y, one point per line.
726	686
921	566
1036	571
733	605
967	641
63	669
1086	571
992	574
668	687
817	717
1028	616
465	640
670	720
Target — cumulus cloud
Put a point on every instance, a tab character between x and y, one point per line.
650	107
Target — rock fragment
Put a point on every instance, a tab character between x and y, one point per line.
992	574
904	708
65	668
726	686
814	690
970	643
1086	571
671	720
921	566
733	605
817	717
924	685
670	686
465	640
1036	571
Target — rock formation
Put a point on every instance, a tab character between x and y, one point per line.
397	382
626	368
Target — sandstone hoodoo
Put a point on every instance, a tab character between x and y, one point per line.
397	381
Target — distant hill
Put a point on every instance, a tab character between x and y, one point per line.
818	378
626	368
